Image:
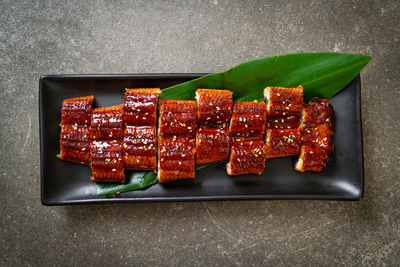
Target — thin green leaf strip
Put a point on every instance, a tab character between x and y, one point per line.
134	180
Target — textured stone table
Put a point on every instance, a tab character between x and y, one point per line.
199	36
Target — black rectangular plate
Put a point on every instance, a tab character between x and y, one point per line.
68	183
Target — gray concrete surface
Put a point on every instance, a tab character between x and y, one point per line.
51	37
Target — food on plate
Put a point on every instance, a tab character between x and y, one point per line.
75	144
283	108
140	136
214	106
177	118
112	139
140	106
106	149
248	119
107	161
176	140
107	123
282	142
77	111
214	109
140	147
247	128
316	129
175	159
316	112
75	129
283	101
247	156
212	144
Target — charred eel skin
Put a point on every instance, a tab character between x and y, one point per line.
247	156
176	140
107	147
75	129
140	136
140	106
317	130
140	147
214	110
284	107
246	130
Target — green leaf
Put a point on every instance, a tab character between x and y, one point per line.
320	74
134	180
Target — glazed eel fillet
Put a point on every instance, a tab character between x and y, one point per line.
140	135
176	140
107	146
316	129
75	129
284	107
125	136
247	127
214	109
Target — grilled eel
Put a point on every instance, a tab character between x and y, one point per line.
75	129
283	101
107	146
214	109
316	129
176	140
140	136
140	106
246	130
282	142
284	107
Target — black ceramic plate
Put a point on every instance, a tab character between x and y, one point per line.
68	183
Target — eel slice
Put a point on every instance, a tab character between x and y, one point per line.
140	148
107	161
214	106
247	156
77	110
107	123
313	159
320	135
212	144
246	130
140	106
140	136
176	140
177	118
282	142
316	130
213	114
283	101
75	144
75	129
317	111
248	119
175	159
107	146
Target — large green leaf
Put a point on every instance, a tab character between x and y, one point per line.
320	74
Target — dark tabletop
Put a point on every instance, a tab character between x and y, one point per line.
46	37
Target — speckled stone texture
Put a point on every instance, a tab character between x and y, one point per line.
54	37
